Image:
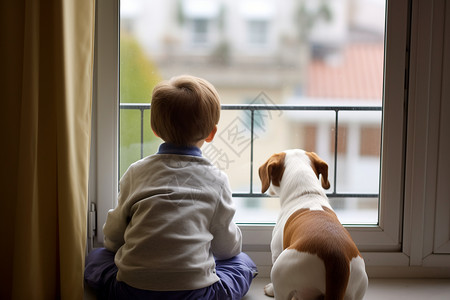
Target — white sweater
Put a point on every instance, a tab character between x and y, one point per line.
174	213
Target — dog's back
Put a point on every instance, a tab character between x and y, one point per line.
319	233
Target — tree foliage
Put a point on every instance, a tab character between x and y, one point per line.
138	77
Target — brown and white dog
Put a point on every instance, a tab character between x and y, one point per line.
313	255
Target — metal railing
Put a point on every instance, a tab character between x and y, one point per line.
259	107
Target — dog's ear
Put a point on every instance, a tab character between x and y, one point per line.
272	171
319	167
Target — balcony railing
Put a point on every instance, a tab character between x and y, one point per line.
261	107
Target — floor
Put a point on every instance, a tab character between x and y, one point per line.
385	289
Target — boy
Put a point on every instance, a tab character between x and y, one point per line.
171	235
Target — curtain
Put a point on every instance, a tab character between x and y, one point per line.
46	87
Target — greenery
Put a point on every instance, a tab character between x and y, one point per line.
307	17
138	76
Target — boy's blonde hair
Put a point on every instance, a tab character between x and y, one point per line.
185	109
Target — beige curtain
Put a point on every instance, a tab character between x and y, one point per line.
46	48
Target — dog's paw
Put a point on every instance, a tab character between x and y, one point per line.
268	290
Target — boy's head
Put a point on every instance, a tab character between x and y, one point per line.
185	110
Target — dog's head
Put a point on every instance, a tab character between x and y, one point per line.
292	165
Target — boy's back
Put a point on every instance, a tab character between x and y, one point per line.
178	204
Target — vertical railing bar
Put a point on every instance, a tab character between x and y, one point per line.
251	149
142	133
336	129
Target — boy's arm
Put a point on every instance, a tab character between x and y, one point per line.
117	219
227	241
114	230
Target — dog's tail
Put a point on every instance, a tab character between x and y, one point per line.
337	275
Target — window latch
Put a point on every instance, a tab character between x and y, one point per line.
92	221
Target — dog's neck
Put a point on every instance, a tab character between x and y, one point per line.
299	184
310	193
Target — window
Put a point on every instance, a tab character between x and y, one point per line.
199	31
340	82
401	206
257	32
370	141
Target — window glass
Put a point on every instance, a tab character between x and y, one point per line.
199	31
257	32
291	74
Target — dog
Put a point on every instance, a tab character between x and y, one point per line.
313	255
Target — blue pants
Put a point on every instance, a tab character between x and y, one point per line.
235	275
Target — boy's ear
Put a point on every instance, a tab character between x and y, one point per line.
210	137
155	133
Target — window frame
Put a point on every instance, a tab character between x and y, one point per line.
389	244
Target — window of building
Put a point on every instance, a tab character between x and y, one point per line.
370	143
257	32
342	137
199	31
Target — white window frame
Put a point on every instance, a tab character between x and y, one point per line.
402	244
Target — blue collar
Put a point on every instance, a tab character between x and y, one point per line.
166	148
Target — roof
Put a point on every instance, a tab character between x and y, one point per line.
357	74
